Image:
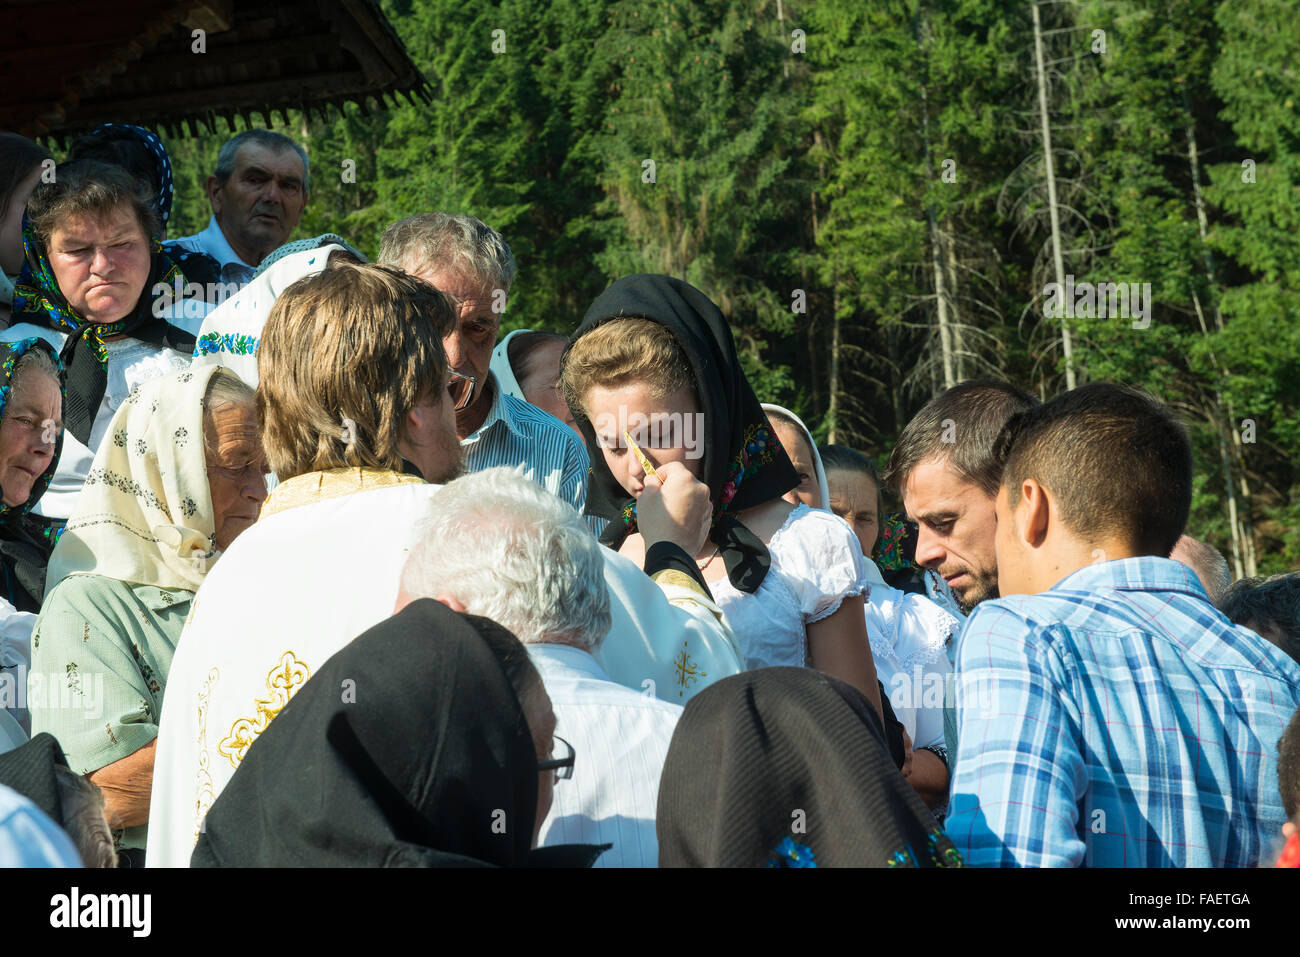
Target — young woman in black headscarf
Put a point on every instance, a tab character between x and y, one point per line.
425	742
654	357
784	767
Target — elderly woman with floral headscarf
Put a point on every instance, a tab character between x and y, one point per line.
179	477
31	427
97	285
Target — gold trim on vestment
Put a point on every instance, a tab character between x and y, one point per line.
333	483
283	681
686	671
204	793
673	576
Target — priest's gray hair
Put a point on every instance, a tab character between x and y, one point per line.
509	550
443	241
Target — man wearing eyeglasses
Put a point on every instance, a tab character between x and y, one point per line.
493	544
471	263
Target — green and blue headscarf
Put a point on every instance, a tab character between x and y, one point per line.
38	300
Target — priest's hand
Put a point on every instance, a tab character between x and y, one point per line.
674	508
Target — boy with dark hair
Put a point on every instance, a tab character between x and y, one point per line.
1109	715
1269	607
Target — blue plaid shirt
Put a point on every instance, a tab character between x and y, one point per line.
1118	720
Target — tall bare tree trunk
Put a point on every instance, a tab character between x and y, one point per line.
780	19
832	410
950	264
1058	261
1243	531
942	302
816	235
1225	460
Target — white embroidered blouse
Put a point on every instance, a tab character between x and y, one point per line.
816	563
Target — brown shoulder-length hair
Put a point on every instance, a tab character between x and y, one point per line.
355	342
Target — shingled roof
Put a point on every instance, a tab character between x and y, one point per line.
74	64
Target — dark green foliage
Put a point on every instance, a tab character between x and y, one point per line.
799	148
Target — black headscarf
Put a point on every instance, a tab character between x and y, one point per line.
104	145
744	464
25	541
787	767
408	748
29	770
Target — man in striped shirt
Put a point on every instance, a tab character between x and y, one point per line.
1109	715
472	264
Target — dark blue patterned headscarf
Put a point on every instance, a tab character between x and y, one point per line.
10	353
26	539
85	148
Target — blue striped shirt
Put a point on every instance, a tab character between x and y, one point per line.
516	433
1118	720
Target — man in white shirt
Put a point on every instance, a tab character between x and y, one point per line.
495	545
257	193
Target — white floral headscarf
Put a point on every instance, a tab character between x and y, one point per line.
145	513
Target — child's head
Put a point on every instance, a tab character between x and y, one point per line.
854	486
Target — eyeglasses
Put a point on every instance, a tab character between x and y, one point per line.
563	765
461	389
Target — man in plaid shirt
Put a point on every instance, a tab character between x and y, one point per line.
1109	715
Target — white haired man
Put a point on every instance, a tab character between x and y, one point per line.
496	545
470	262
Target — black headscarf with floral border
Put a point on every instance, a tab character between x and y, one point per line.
744	464
25	541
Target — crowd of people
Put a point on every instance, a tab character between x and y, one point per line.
305	565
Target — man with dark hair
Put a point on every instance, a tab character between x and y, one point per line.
1269	607
258	192
1109	714
944	471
